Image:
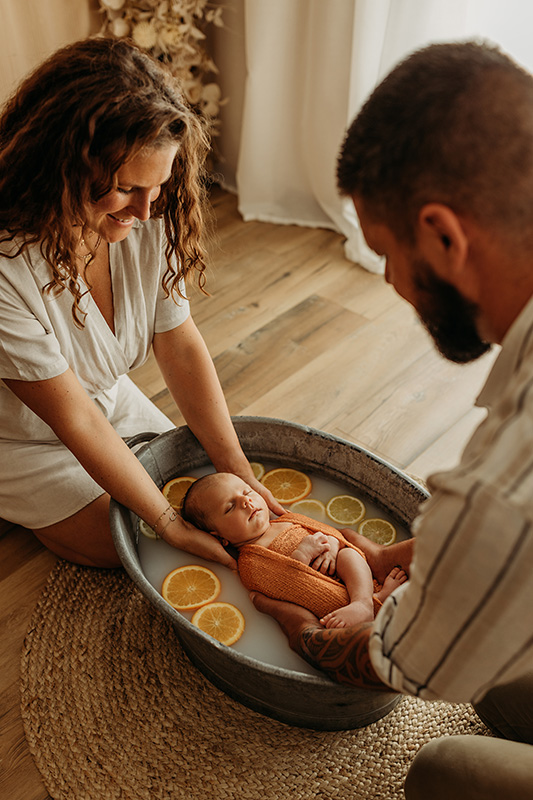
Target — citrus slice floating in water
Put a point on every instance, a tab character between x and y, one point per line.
223	621
345	509
311	508
189	587
146	530
258	469
378	530
287	485
176	489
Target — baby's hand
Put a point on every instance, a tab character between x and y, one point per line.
326	562
312	546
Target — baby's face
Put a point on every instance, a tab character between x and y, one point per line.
235	511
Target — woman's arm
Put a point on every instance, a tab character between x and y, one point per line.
190	375
63	404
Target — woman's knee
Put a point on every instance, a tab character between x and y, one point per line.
84	538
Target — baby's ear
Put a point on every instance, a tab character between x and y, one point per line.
223	542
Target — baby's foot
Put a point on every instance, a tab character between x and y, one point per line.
395	578
352	614
310	547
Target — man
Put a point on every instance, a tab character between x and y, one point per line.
439	164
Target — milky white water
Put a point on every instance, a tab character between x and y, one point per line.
262	638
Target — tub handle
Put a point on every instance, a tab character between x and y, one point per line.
139	438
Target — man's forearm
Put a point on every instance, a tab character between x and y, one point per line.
340	652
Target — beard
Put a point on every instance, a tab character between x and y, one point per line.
449	318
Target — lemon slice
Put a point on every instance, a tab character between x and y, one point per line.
287	485
223	621
311	508
146	530
345	509
189	587
378	530
258	469
176	489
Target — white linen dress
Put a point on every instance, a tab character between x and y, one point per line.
41	482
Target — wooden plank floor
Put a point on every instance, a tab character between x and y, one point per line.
299	333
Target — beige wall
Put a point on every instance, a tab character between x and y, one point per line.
30	30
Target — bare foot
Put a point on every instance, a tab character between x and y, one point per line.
395	578
310	548
352	614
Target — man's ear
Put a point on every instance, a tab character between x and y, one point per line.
443	240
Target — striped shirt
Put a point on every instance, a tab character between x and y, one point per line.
464	621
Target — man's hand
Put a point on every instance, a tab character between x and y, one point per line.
342	653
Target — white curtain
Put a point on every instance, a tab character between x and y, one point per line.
310	64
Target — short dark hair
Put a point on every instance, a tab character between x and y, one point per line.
452	123
191	510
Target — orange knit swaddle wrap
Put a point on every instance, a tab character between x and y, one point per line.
272	571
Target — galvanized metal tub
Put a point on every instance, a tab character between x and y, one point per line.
285	695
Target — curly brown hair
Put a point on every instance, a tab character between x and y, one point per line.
64	134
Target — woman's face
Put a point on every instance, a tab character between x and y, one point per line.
139	183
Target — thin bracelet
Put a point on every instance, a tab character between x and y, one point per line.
173	515
168	508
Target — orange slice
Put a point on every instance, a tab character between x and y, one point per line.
311	508
176	489
378	530
287	485
189	587
345	509
258	469
223	621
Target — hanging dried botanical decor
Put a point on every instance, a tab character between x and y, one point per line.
173	31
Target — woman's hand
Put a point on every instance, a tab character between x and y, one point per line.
247	475
184	536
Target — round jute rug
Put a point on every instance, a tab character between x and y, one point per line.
112	708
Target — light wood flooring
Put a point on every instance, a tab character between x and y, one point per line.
299	333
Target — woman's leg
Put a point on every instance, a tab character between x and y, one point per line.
84	538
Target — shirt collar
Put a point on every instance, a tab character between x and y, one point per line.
517	342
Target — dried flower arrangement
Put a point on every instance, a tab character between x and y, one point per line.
173	32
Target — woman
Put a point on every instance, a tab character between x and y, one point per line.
101	218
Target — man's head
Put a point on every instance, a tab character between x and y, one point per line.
445	140
225	505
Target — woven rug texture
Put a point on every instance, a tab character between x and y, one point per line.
113	708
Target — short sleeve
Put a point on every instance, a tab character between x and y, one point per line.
29	350
171	311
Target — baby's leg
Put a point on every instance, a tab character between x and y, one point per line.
355	573
382	558
310	547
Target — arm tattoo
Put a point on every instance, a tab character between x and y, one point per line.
342	653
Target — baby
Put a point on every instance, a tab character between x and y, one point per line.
292	557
